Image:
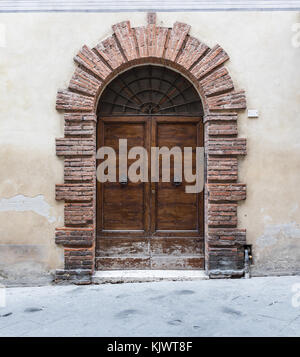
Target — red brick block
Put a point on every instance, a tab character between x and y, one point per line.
76	276
75	147
79	214
226	146
80	117
225	258
222	169
79	258
74	237
81	129
73	192
219	117
226	192
67	100
79	169
220	129
220	215
232	100
226	237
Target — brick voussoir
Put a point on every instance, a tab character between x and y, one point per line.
157	37
176	39
141	38
214	58
217	82
110	52
82	81
93	63
126	38
191	53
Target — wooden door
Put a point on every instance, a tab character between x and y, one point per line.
149	225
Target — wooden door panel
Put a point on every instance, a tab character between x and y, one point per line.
176	134
174	208
170	217
122	207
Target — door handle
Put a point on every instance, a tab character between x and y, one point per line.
123	181
177	181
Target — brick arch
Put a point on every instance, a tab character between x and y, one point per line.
204	67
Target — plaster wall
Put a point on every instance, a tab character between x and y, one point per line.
36	51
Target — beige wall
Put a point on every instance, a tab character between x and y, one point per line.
37	60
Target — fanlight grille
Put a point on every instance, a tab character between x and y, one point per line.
150	90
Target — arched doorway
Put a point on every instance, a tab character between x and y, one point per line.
150	225
174	48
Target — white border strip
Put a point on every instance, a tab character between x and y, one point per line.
145	5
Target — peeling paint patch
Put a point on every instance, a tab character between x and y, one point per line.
20	203
273	232
277	250
267	219
295	208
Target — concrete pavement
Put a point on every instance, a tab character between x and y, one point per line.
242	307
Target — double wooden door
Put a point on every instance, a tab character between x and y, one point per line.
149	225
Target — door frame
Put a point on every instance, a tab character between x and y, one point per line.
150	232
204	68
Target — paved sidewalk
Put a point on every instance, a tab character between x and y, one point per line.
242	307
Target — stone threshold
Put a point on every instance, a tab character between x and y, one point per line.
139	276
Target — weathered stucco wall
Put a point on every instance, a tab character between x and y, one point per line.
37	60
